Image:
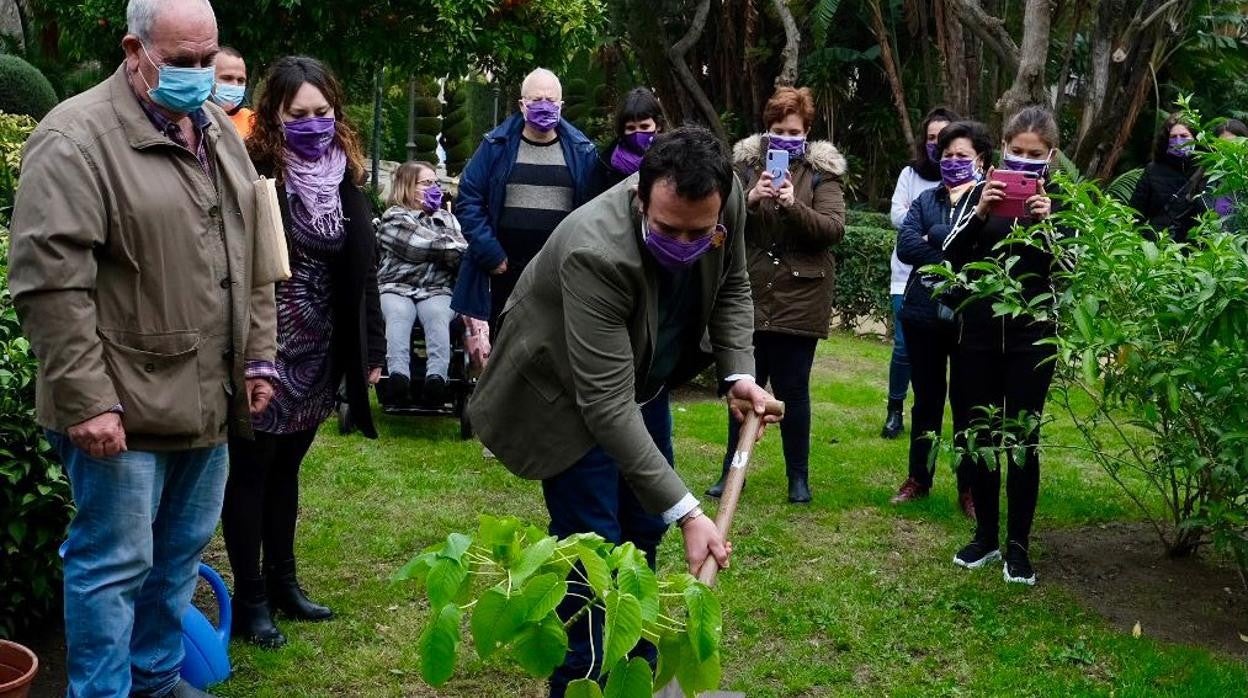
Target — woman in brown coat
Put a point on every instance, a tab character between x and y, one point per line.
789	233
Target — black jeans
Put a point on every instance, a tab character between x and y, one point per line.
785	360
999	367
262	500
930	347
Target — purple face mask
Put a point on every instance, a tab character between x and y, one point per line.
674	255
1013	162
626	158
955	172
310	137
542	115
432	198
796	145
1180	146
932	155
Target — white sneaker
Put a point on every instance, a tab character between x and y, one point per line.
487	454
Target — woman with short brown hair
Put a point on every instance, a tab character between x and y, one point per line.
794	219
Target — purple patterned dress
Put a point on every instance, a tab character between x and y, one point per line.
303	396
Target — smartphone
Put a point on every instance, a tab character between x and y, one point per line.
778	166
1019	186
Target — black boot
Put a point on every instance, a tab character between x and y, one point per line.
895	423
717	490
253	621
398	390
288	598
799	487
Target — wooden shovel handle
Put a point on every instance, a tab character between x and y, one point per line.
736	476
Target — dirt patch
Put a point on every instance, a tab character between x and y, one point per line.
1121	572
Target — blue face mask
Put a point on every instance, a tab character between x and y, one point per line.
180	90
229	95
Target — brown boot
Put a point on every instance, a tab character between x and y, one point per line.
910	491
967	504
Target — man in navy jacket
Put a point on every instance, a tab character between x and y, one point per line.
526	176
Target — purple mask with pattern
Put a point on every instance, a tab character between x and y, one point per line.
1224	206
626	158
955	172
795	145
931	151
1181	147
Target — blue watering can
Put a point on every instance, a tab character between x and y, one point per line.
207	648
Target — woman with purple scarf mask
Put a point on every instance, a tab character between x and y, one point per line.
638	120
790	231
329	331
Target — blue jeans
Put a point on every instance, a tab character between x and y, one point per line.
592	497
131	562
899	365
435	317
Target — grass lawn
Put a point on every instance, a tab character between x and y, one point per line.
848	596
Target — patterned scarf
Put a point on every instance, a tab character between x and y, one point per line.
315	205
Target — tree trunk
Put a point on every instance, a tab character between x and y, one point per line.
1029	82
693	90
792	45
990	30
923	39
1059	94
890	69
953	54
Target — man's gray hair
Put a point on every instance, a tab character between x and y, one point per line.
141	15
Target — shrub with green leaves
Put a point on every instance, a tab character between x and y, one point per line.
34	495
14	130
510	577
23	89
1152	351
862	276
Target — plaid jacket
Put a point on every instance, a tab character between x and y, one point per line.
420	252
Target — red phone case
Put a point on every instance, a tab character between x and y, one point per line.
1019	186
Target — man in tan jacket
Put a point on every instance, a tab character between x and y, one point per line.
131	268
621	304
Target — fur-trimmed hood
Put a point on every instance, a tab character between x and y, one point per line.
822	155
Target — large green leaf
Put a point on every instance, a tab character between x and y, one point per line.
630	679
705	621
595	568
456	545
445	578
494	622
437	646
541	595
532	558
622	628
540	647
641	582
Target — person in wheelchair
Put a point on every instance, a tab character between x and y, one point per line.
420	244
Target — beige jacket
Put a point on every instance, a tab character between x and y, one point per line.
132	272
579	335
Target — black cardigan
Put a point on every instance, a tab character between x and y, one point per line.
359	338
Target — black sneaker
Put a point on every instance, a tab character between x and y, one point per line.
976	554
396	390
1017	568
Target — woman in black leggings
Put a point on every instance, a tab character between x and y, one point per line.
929	323
793	220
1001	369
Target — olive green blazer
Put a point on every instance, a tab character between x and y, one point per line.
579	334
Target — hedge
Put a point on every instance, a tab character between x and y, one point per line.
862	276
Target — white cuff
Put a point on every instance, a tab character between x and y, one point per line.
686	504
738	377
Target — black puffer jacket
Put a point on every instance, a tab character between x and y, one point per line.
919	243
1157	197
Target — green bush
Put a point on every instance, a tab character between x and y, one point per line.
868	219
458	136
862	276
1151	352
23	89
34	494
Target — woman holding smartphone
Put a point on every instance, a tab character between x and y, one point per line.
1002	366
794	216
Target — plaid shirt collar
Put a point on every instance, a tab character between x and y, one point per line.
173	132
